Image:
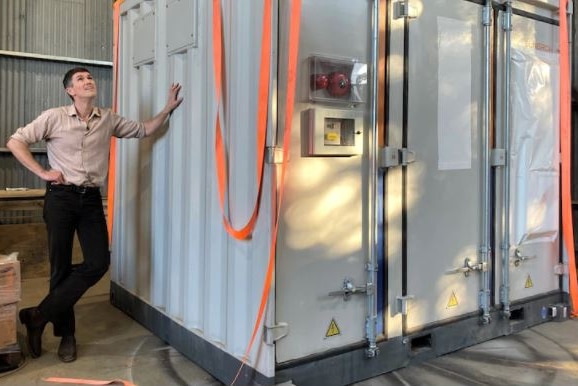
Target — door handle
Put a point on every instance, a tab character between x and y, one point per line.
348	289
469	267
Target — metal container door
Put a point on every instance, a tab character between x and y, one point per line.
530	261
442	189
321	253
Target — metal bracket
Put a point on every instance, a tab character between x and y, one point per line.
556	312
349	289
401	303
369	267
487	15
402	9
388	157
391	156
561	269
274	155
371	352
407	157
498	157
275	332
507	21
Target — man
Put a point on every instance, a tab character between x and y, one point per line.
78	144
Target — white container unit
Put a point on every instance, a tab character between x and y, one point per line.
390	231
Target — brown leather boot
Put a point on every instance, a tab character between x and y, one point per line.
35	323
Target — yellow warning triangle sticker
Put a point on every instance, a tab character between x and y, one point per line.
529	283
332	330
453	302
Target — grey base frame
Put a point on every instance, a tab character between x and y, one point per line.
348	364
218	363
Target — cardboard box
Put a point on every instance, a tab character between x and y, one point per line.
9	282
8	314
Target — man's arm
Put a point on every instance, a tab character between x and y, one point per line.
174	101
22	153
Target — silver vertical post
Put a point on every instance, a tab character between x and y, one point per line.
485	250
505	246
371	264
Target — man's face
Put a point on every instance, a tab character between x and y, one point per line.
82	86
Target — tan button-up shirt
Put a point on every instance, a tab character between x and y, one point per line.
78	149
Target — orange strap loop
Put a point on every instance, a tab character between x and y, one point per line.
565	150
294	26
220	149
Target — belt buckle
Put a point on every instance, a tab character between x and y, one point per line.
82	189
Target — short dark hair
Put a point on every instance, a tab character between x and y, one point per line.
67	81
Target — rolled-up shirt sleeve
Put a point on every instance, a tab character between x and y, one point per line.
126	128
35	131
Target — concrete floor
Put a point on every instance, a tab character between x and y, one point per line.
110	346
113	346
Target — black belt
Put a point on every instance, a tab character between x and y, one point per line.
73	188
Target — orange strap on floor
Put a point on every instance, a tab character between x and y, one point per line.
294	26
79	381
263	99
112	155
565	150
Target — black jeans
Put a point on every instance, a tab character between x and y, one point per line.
69	209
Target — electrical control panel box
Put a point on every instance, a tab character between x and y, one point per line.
334	132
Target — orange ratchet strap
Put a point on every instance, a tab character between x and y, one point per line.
294	26
112	155
220	152
565	150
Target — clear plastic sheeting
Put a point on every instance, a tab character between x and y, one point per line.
535	144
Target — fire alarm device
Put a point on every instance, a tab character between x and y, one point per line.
335	80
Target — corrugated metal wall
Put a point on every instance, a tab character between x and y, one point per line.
170	249
39	41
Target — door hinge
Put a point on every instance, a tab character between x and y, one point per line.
561	269
391	156
401	303
498	157
275	332
402	9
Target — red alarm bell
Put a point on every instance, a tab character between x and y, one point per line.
339	84
319	81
